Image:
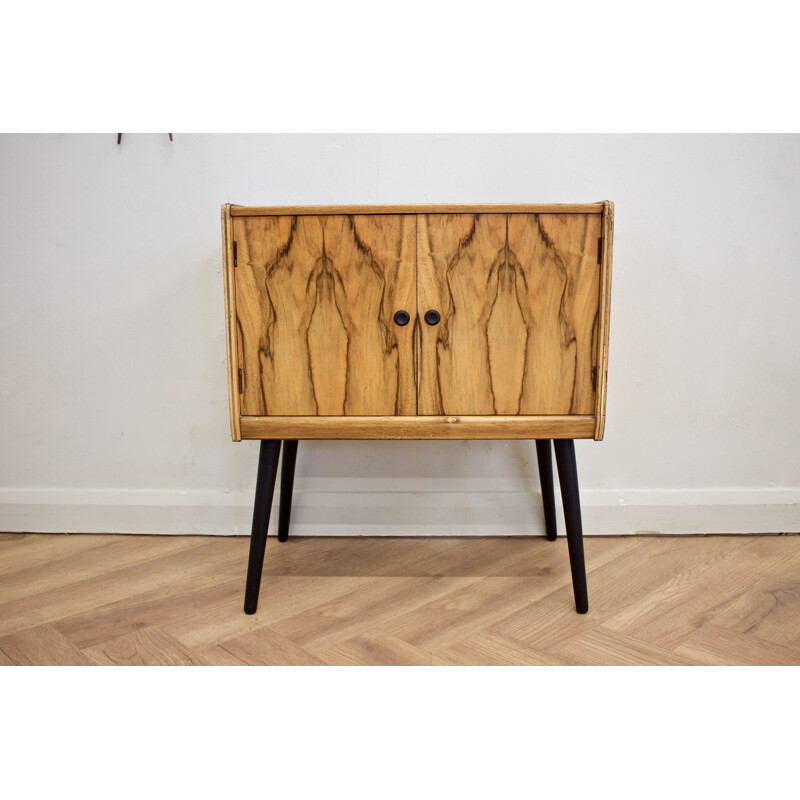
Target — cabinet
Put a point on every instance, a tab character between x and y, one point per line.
416	322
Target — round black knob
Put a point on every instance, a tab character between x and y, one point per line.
401	318
432	317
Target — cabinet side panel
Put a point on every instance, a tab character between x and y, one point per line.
230	322
317	295
604	318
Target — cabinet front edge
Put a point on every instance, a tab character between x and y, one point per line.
422	427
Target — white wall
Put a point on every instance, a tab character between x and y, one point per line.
113	390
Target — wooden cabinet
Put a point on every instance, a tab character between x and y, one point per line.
327	330
417	322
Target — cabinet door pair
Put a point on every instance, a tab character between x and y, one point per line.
516	297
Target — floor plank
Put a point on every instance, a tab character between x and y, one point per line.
25	550
281	597
488	649
375	648
370	603
132	569
265	647
86	563
714	645
691	598
147	647
217	656
770	609
208	576
547	624
41	646
449	618
601	647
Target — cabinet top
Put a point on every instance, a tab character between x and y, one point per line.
444	208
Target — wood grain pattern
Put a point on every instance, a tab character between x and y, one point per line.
316	296
101	568
423	427
717	646
770	609
427	208
375	648
518	295
42	646
601	647
693	598
268	648
394	600
494	650
148	646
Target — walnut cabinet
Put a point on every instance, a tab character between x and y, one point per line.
416	322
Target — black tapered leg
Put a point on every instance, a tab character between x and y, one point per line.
568	478
287	483
265	488
545	458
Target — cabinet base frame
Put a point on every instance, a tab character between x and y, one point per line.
452	427
265	488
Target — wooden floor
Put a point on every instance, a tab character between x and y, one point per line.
123	599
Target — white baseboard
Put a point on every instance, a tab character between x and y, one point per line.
399	513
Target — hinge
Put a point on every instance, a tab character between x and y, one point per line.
241	381
234	256
599	250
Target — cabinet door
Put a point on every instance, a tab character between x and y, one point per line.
518	298
315	299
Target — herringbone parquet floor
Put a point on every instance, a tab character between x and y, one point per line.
123	599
